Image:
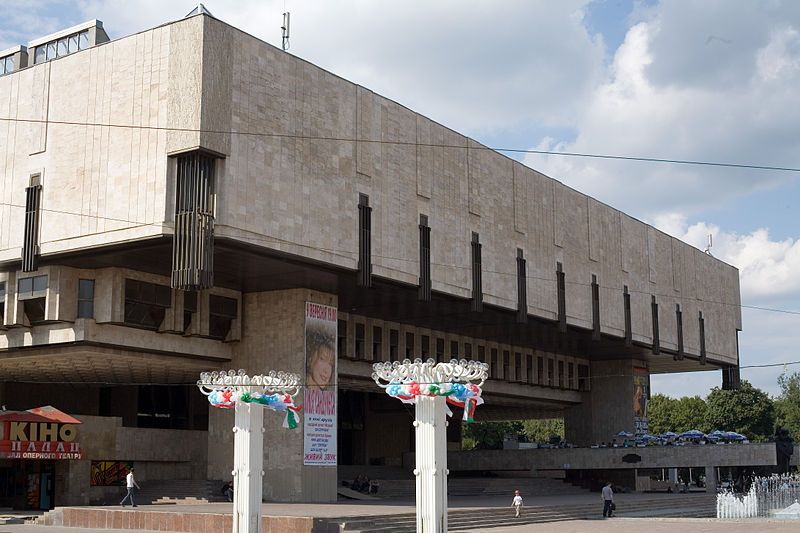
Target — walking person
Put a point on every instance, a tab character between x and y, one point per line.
130	483
516	503
608	500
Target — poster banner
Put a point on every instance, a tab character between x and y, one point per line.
641	386
109	473
319	398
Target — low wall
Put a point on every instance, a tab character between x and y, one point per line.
612	458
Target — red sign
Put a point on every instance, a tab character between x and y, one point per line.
41	433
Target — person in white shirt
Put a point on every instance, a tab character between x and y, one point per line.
608	500
516	503
130	483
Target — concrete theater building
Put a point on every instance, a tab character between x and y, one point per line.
172	200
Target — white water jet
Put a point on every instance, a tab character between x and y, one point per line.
766	496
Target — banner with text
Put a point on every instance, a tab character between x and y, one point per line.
319	397
641	393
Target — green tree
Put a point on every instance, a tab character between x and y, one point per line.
660	410
488	435
748	410
541	430
787	404
690	413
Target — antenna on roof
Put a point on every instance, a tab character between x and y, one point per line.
710	244
285	32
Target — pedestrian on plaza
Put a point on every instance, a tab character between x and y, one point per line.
130	483
516	503
608	501
227	490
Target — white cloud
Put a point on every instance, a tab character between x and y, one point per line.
768	269
692	81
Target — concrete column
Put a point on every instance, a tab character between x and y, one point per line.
711	479
607	408
431	471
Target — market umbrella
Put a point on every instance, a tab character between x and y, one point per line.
624	434
732	435
669	435
692	434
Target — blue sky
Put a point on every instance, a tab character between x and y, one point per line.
711	80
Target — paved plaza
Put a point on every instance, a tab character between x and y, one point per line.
621	525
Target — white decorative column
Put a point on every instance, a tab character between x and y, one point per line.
430	387
247	396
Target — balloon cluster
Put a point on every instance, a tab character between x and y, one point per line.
227	399
463	395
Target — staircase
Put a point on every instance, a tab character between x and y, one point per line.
475	520
404	489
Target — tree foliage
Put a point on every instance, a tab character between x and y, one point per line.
748	410
488	435
542	430
787	404
678	415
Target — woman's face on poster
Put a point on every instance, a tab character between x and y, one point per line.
322	366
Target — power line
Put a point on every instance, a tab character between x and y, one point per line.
405	143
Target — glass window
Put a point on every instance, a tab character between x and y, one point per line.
40	54
394	340
506	370
35	287
409	346
493	363
467	350
425	348
189	308
51	50
2	291
2	66
73	43
440	350
454	349
83	39
9	64
222	312
86	298
62	47
34	310
146	303
360	335
377	343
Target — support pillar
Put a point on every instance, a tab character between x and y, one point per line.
711	479
248	465
431	471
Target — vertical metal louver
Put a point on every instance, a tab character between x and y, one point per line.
193	241
679	321
626	301
595	308
702	326
561	291
30	243
477	285
364	241
656	338
424	259
522	288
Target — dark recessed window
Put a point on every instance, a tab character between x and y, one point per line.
529	368
481	353
493	363
583	377
561	382
570	375
222	312
551	370
425	348
32	292
85	298
409	345
454	349
3	301
506	369
467	350
440	350
189	308
377	343
341	340
360	339
146	303
540	370
517	366
394	341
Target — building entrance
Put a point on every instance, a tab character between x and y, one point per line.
27	485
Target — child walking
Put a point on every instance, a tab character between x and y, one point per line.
516	503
